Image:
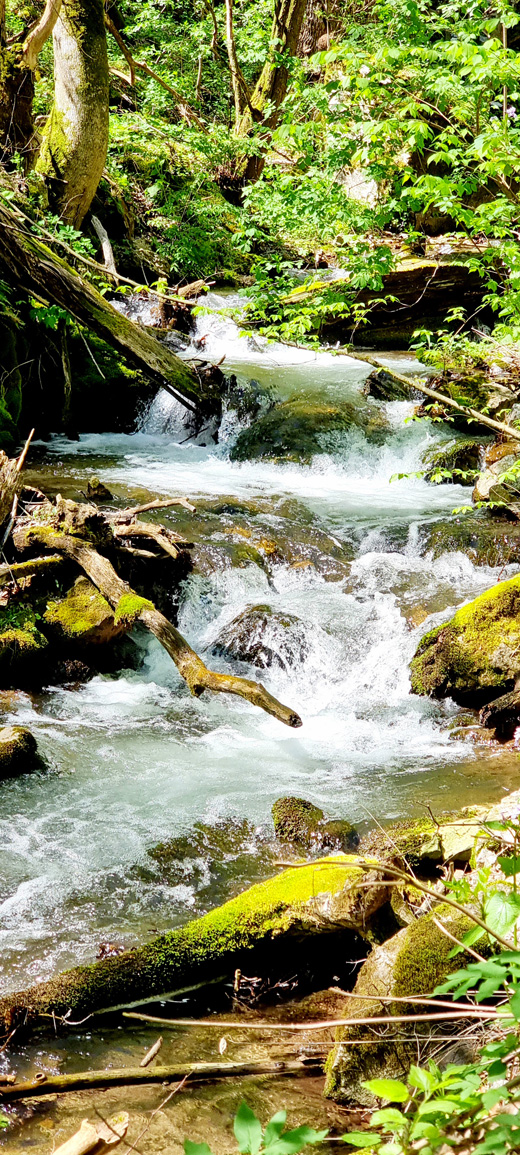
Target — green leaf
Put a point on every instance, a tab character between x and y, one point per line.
501	911
509	864
514	1003
248	1130
439	1106
492	1097
293	1141
196	1148
388	1117
362	1138
275	1127
391	1089
421	1079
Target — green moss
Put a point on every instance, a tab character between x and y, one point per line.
476	652
300	427
424	959
208	947
82	615
21	642
129	607
296	820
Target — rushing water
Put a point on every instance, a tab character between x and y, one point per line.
135	760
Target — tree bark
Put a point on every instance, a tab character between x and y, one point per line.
271	86
31	266
233	64
75	141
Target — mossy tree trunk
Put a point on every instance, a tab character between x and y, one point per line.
17	66
74	146
271	86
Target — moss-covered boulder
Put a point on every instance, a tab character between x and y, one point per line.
303	825
484	539
83	616
476	656
413	962
299	428
23	647
385	386
460	456
18	752
264	637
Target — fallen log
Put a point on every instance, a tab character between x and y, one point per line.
326	897
132	608
30	265
134	1076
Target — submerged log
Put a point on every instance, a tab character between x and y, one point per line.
31	266
330	895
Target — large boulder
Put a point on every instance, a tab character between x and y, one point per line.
263	637
303	825
303	426
456	456
18	752
412	962
475	657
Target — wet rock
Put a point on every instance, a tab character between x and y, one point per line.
413	961
489	483
97	491
212	856
248	399
264	637
462	456
299	428
302	824
484	539
18	752
83	616
476	656
384	386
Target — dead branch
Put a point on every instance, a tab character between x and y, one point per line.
185	110
150	1055
27	568
158	503
155	533
90	1135
190	666
106	247
132	1076
40	33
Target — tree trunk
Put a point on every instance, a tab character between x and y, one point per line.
75	142
30	266
271	86
16	104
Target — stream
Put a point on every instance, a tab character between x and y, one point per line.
134	760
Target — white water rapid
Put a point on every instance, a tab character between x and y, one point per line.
135	760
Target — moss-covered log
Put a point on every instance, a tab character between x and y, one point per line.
321	897
74	146
30	266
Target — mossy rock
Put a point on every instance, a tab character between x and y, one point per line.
485	540
18	752
264	637
413	962
302	824
327	896
83	616
476	656
462	455
385	386
301	427
23	647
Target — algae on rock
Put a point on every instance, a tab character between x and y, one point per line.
18	752
475	656
301	823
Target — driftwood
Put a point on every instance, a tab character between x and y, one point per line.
155	533
151	1054
20	569
31	266
133	1076
102	573
90	1135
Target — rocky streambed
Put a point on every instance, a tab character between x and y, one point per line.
304	566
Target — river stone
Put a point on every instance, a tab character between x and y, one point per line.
302	824
384	386
488	481
263	637
484	539
475	657
18	752
299	428
463	455
412	962
83	616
